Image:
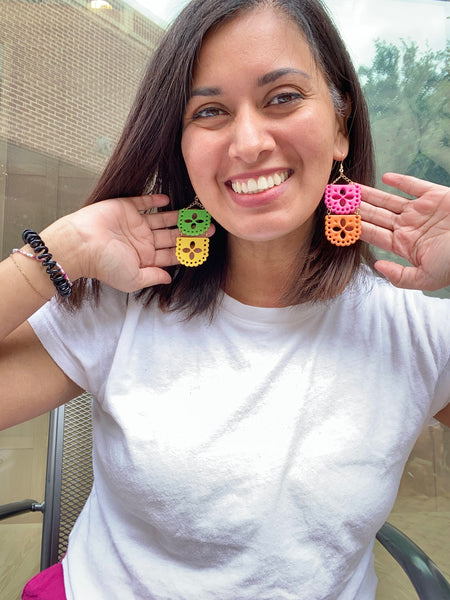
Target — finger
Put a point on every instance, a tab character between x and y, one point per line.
408	184
397	274
406	277
377	236
165	238
166	258
161	220
377	216
143	203
382	199
149	276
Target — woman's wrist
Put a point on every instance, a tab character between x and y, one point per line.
48	262
64	245
41	254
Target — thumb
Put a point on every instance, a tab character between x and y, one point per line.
406	277
150	276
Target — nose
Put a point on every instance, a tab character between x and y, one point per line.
250	136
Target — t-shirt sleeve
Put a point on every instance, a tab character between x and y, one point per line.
418	327
83	342
439	314
429	318
442	391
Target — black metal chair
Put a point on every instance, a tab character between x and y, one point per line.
427	579
69	481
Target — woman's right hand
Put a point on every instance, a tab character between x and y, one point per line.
116	242
113	241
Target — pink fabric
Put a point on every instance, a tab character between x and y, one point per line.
46	585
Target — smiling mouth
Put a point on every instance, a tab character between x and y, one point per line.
256	186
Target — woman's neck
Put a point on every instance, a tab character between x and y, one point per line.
259	274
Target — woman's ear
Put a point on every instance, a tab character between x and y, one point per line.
341	143
341	146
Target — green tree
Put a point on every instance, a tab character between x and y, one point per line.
408	95
382	80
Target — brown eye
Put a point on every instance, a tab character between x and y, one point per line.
208	112
285	98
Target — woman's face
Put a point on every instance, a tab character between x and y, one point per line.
260	131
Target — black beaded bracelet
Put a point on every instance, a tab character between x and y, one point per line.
58	276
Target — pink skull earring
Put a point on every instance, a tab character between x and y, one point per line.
342	223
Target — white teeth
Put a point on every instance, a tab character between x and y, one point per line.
262	183
251	186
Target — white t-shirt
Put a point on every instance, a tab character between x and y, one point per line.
253	457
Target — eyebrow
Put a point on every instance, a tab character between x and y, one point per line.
262	81
274	75
206	91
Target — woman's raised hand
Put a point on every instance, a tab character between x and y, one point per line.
417	230
116	242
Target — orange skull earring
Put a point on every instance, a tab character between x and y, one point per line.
191	250
342	228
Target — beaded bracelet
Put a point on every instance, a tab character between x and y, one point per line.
34	257
57	274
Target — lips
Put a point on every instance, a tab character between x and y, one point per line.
261	184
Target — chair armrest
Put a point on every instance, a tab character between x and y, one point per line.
18	508
427	579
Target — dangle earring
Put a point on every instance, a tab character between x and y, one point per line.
193	221
343	228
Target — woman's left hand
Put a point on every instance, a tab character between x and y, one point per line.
417	230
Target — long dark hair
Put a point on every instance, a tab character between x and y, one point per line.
148	156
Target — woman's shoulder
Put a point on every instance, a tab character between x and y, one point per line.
374	299
98	311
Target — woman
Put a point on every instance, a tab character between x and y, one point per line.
252	415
